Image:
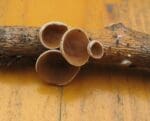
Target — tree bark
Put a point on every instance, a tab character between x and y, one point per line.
122	45
22	41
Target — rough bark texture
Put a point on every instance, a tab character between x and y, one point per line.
19	41
123	46
19	45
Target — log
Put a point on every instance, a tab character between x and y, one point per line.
23	41
19	45
122	45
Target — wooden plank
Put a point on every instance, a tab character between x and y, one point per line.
98	93
24	97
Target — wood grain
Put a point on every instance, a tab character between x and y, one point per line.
107	94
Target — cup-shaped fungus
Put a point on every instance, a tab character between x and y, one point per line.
51	33
54	69
74	47
95	49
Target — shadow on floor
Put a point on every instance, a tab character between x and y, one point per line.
91	79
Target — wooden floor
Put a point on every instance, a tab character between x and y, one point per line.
98	93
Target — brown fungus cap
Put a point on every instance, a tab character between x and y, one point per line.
95	49
74	47
51	33
54	69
